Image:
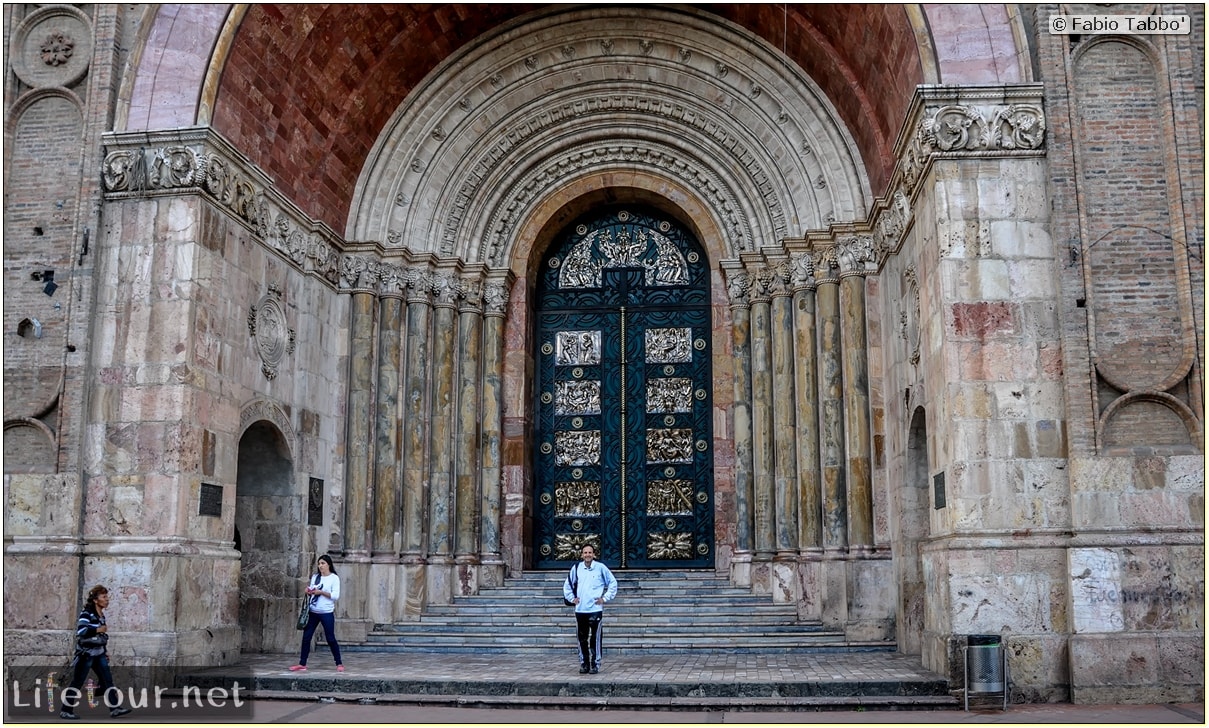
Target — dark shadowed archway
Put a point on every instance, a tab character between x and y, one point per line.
270	520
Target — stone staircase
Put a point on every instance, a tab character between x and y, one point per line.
655	612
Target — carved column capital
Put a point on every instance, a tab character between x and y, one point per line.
738	287
855	255
802	272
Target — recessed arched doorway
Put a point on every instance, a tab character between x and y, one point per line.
623	433
269	522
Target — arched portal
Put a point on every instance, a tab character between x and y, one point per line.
269	523
624	459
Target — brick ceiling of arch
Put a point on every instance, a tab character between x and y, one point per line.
305	90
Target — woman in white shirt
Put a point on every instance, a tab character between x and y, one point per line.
324	590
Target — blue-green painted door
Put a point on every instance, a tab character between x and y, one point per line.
624	455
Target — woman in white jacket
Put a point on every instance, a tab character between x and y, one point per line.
324	590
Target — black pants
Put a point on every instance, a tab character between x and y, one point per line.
587	629
80	668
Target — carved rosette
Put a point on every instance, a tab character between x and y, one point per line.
267	325
52	46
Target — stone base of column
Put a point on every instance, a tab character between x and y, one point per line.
414	592
441	575
466	575
809	587
783	582
740	569
761	577
833	593
873	594
491	570
380	588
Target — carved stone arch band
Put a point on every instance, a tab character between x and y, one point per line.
267	410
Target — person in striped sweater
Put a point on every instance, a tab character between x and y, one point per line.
91	654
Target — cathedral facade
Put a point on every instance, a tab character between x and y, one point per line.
891	312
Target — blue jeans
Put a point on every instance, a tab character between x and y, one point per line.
98	664
328	620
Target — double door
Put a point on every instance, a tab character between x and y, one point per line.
624	456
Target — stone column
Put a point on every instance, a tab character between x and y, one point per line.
495	304
360	276
466	458
831	421
385	511
764	504
784	418
440	441
738	284
415	420
782	581
386	452
853	254
806	397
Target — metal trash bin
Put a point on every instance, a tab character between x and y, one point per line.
986	667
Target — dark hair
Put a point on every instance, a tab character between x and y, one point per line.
93	593
330	566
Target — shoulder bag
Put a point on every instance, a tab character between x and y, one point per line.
304	614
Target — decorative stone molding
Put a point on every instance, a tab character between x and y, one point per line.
763	281
52	46
664	159
474	192
267	325
909	316
199	161
982	121
269	411
946	122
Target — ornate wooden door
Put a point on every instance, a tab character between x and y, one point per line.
624	431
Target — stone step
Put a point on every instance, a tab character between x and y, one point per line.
554	602
564	647
561	619
629	622
658	612
789	681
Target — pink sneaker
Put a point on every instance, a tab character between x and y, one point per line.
339	668
298	668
